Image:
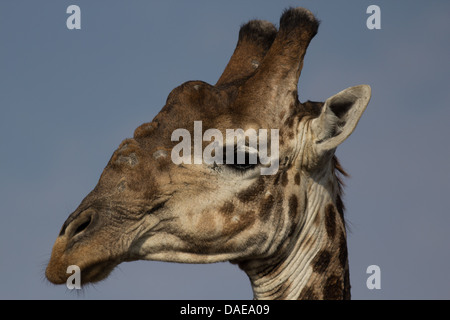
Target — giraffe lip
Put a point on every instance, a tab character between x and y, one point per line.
88	274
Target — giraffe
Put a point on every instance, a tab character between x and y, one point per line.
285	230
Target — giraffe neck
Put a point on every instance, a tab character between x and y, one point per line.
312	262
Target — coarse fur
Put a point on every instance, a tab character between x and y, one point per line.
285	230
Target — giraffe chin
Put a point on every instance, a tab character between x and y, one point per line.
97	272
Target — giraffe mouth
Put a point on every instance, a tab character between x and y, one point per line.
93	265
91	273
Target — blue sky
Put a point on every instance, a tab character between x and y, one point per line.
69	97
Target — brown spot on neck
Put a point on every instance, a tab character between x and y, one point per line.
333	288
293	205
321	261
252	192
266	207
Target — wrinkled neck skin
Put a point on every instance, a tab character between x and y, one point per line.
311	263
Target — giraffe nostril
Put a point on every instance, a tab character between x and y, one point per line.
82	226
77	223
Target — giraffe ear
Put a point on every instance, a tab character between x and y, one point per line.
339	116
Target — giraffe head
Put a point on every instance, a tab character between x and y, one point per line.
146	207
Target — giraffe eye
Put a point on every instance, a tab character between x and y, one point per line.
242	160
243	166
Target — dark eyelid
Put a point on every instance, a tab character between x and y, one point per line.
239	166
